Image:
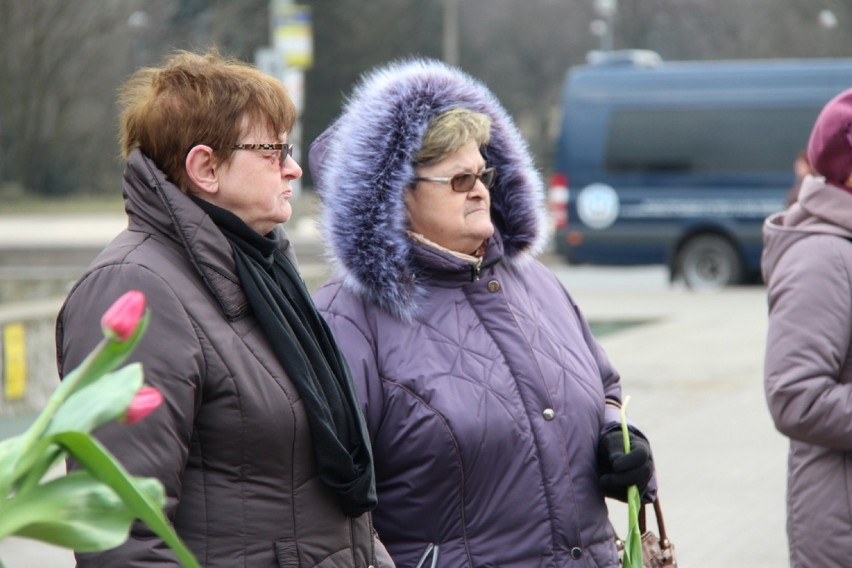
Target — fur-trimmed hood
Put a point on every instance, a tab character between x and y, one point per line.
362	163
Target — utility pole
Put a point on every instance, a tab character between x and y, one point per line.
451	32
290	54
604	27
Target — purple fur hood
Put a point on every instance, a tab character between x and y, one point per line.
362	163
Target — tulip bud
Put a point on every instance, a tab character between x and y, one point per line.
120	320
144	402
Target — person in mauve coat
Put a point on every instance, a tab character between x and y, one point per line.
260	442
493	412
807	266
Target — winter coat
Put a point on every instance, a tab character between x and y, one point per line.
483	387
807	264
231	443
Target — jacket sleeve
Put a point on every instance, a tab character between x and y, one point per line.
610	379
346	317
169	351
807	347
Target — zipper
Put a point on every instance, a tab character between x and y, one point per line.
432	550
476	270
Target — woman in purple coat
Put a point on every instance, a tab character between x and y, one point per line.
493	412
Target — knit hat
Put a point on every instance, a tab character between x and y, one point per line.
830	145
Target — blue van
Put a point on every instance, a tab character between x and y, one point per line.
678	163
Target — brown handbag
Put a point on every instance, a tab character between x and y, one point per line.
657	552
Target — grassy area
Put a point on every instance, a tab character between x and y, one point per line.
601	328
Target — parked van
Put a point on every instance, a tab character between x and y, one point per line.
678	163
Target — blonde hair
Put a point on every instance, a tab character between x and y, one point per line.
451	130
198	99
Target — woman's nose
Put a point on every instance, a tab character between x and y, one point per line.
291	168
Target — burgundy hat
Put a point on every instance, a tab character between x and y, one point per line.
830	145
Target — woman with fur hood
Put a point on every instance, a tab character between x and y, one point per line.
493	412
807	265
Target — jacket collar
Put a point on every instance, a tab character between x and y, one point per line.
156	205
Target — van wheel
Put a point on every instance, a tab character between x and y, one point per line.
709	261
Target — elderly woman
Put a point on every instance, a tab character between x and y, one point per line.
260	445
493	412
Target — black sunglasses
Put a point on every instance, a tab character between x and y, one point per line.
462	183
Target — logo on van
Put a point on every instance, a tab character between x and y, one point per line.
597	205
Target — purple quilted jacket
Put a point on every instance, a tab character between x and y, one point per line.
483	387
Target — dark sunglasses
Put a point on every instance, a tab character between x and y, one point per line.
283	150
462	183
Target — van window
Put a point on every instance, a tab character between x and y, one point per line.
687	140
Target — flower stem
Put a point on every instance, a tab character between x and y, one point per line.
62	392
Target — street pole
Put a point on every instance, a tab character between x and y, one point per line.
451	32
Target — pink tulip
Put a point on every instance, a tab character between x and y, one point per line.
121	319
144	402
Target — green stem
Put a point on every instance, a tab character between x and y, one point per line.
31	437
62	392
624	434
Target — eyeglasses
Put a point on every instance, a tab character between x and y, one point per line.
463	183
282	150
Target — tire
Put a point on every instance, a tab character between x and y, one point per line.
709	262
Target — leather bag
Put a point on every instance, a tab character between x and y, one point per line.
657	551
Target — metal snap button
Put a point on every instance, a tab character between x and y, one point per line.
548	414
576	553
493	286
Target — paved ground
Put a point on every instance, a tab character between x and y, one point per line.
693	372
694	376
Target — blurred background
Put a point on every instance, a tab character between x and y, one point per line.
61	63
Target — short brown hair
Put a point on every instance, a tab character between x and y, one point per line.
198	99
451	130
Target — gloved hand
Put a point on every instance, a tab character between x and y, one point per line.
618	470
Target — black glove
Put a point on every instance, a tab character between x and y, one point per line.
618	470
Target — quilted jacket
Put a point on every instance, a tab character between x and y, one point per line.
231	442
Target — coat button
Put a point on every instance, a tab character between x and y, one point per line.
576	553
548	414
493	286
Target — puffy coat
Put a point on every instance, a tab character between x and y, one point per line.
231	443
807	264
483	388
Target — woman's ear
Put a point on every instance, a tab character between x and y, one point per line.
201	167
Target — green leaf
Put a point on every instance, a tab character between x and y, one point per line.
75	511
98	403
48	457
101	464
633	540
9	450
83	411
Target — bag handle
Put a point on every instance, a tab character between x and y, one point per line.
658	512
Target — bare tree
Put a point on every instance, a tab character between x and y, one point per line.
58	63
62	62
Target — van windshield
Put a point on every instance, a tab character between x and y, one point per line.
688	140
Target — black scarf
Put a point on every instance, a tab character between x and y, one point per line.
304	346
